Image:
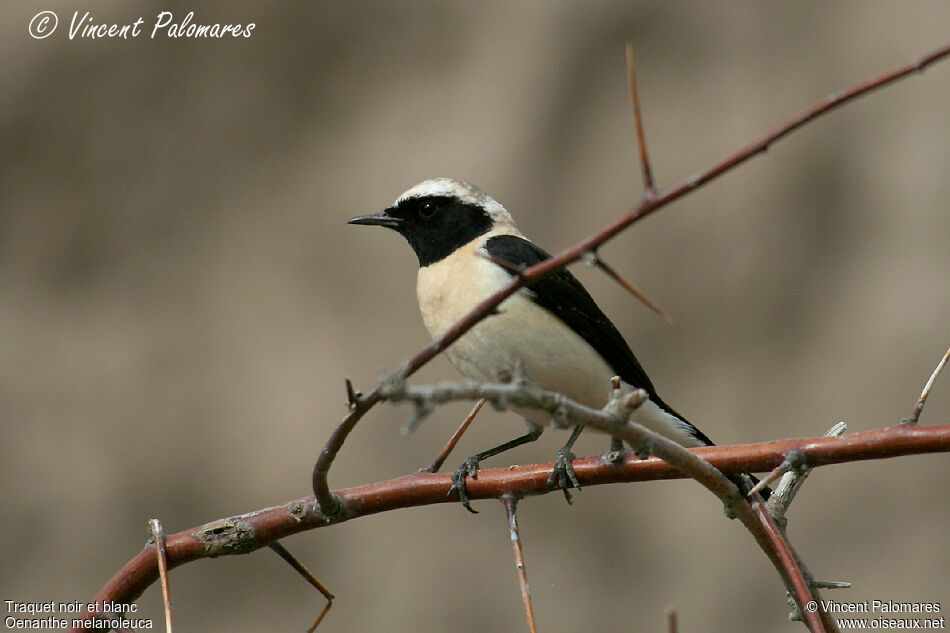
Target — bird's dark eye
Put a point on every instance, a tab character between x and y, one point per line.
428	209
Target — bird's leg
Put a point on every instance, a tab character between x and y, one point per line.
616	453
563	475
469	467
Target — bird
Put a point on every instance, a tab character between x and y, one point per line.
550	333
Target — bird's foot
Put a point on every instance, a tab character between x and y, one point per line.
563	475
615	456
469	468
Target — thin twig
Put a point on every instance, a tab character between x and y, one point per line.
671	620
284	553
629	287
511	509
926	392
161	554
649	190
330	505
454	440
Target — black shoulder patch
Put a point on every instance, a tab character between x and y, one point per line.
561	294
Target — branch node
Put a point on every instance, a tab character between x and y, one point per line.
392	385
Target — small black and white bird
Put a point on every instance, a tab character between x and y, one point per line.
551	333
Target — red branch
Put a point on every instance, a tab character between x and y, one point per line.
246	533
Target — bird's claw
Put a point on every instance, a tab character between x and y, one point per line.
614	457
563	475
469	468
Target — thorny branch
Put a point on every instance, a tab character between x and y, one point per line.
330	504
246	533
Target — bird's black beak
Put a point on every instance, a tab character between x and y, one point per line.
379	219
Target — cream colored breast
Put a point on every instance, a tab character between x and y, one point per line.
522	336
452	287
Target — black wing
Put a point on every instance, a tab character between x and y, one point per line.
563	296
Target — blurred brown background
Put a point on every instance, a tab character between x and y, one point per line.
180	298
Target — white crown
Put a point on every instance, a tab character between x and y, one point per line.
462	190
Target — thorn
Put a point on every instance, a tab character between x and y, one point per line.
454	440
919	407
511	510
649	188
613	274
158	535
352	396
310	578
